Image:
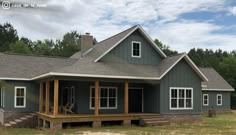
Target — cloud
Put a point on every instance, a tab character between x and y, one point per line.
233	10
184	35
103	18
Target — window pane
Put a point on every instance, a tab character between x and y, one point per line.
188	93
93	92
112	102
92	102
112	92
174	103
22	92
181	93
188	103
174	93
205	102
18	92
181	103
103	102
103	92
20	101
205	97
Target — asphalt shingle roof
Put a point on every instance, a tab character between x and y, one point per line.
215	81
26	66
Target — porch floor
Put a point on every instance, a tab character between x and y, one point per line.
70	118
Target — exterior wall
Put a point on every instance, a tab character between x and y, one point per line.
212	101
82	96
181	75
151	97
122	52
32	94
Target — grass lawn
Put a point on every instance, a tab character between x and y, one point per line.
223	124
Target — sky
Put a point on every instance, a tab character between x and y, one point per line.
180	24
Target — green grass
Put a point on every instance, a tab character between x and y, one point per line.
222	124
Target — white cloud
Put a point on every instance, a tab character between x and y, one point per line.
233	10
103	18
185	35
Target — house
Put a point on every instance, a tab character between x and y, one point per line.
124	78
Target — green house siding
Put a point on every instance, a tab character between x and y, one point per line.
82	96
32	94
182	75
122	52
212	101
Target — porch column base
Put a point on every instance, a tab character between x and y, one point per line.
55	125
126	122
40	123
97	124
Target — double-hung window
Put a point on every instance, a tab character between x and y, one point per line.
107	97
20	97
136	49
219	99
181	98
205	99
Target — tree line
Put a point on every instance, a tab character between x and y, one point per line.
222	61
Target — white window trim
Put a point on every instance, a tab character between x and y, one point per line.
204	99
140	46
217	99
184	108
99	107
20	87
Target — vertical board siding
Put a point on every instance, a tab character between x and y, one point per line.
32	96
122	52
182	75
212	101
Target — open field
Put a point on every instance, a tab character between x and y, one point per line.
222	124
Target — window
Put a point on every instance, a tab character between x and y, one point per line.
107	97
2	96
20	97
219	99
205	99
181	98
136	49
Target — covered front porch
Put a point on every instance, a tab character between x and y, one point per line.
96	101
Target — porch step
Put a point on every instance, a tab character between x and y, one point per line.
156	120
22	121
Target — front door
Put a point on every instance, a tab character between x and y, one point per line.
135	100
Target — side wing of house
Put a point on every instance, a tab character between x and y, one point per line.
216	92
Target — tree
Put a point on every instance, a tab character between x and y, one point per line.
70	44
166	49
20	47
8	35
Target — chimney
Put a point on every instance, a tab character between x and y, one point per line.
86	42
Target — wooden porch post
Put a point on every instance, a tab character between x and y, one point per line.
47	97
55	108
126	98
41	97
96	104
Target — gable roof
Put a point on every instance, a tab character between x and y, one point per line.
102	48
215	81
24	67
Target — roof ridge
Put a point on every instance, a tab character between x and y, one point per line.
117	34
33	55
